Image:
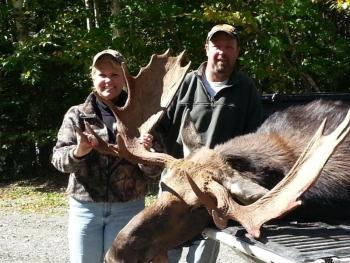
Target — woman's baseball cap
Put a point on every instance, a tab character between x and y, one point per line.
115	54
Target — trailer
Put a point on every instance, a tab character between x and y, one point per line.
290	241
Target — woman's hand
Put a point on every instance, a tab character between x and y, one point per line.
86	142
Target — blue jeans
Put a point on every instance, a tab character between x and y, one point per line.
93	227
200	251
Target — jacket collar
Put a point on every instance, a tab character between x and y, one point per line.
88	107
233	79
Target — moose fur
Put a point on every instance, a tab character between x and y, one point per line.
246	166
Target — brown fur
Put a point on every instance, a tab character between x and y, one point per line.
263	157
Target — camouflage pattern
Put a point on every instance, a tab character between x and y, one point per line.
96	177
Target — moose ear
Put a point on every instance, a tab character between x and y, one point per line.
191	140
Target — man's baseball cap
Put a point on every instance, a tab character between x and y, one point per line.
230	30
115	54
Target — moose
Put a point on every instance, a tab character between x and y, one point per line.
294	161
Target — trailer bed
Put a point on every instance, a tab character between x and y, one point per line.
290	242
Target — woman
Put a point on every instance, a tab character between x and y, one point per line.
105	191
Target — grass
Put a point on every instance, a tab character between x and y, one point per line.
39	195
33	195
28	199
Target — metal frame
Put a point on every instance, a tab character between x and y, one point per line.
290	242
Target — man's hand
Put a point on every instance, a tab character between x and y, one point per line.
146	140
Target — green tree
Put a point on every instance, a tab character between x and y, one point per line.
46	47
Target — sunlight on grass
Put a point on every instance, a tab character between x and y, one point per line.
150	199
31	199
34	199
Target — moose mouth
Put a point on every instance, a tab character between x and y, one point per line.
158	228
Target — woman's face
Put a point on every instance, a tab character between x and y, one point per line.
108	78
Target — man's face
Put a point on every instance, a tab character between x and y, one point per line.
222	51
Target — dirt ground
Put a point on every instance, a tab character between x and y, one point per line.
35	237
39	238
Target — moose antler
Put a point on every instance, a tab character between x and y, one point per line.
149	94
284	196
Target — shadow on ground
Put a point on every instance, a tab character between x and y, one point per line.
45	183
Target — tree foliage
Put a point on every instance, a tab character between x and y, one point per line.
46	47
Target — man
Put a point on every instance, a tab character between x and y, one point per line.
223	103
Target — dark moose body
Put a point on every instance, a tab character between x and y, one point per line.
263	157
